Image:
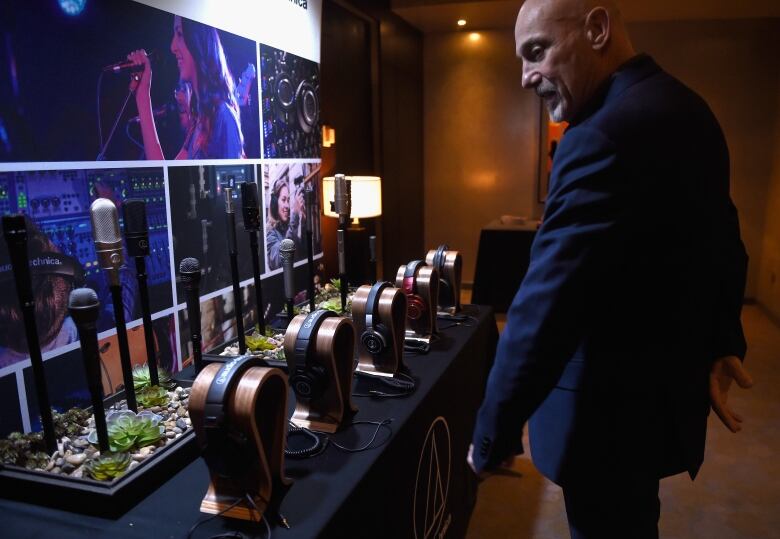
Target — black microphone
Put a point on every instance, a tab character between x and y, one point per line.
189	273
230	214
251	209
108	245
84	308
15	232
162	110
342	199
308	199
126	65
137	241
287	252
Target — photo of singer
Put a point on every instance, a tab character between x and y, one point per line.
62	251
128	82
199	222
285	209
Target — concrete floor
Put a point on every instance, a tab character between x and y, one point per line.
735	496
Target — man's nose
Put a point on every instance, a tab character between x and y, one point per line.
531	78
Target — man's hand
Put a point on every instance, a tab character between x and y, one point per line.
723	372
484	474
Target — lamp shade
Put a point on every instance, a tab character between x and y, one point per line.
366	196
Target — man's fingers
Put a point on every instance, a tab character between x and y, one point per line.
740	374
725	417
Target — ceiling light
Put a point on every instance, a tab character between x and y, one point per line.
461	22
474	36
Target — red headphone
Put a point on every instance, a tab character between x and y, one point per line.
415	305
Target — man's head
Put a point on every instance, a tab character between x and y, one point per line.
568	49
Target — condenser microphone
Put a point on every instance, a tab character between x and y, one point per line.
108	245
137	242
287	252
126	65
108	241
230	214
189	274
15	232
251	208
84	309
342	199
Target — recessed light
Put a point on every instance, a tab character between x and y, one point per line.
461	22
473	36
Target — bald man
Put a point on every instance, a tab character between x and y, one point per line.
626	328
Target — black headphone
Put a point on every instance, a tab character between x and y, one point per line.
309	381
50	263
445	290
226	450
415	305
376	336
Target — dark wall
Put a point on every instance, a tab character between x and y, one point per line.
377	113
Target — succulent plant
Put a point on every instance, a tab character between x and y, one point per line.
108	466
71	422
128	431
9	453
152	396
27	450
142	378
39	459
257	342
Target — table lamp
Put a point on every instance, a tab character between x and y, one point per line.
366	196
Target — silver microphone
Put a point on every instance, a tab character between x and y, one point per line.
342	256
108	240
287	252
342	199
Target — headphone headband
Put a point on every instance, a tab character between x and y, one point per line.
372	303
439	257
227	376
309	328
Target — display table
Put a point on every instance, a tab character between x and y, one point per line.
415	484
502	260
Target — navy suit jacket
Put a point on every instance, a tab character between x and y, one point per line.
635	286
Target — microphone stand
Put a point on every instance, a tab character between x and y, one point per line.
372	258
309	201
124	347
146	315
253	246
16	237
342	266
102	155
233	250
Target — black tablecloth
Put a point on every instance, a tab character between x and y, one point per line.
502	262
416	484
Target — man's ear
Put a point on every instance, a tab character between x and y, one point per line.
597	28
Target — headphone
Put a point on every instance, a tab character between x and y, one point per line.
445	290
415	305
277	188
309	381
50	263
226	450
377	335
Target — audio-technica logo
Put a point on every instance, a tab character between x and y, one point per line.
301	3
226	369
433	483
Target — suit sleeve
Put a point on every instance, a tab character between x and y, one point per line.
545	321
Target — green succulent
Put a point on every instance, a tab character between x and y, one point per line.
336	284
142	378
127	431
71	422
27	450
9	453
39	459
152	396
108	466
259	343
334	304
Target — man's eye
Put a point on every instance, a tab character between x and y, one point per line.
536	53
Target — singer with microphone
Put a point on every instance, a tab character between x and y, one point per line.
215	126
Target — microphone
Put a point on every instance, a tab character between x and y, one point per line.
287	252
342	199
189	273
136	227
137	241
162	110
108	242
15	232
250	206
84	309
126	65
251	209
108	245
